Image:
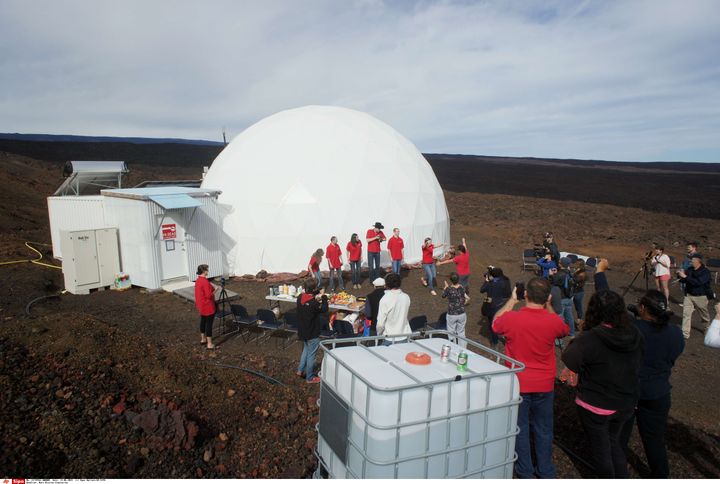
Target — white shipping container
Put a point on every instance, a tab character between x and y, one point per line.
382	417
74	213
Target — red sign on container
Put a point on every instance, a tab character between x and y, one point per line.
169	231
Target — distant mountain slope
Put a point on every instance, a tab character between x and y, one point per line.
104	139
687	189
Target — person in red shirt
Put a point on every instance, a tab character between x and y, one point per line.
334	258
205	304
314	266
530	335
395	246
354	255
462	267
428	262
374	236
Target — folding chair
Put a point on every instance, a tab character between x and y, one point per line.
529	260
441	323
268	323
418	323
325	331
244	321
291	328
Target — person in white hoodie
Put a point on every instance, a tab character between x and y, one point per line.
392	318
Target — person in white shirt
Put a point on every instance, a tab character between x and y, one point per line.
661	263
392	318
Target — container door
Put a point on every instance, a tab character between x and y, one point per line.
84	256
173	259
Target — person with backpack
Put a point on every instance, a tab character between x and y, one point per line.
580	276
566	282
310	305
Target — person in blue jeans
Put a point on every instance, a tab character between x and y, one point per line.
373	238
310	305
530	335
564	280
580	276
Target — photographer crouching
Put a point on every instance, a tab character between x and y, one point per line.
498	290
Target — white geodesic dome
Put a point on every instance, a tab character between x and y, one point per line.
298	177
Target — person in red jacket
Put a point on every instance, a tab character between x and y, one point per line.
205	304
395	246
373	237
333	253
530	338
354	253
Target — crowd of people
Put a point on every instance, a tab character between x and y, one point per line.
619	358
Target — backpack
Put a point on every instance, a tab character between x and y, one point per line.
569	286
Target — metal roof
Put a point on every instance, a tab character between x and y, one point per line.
147	193
178	200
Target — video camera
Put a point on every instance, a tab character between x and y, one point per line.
540	251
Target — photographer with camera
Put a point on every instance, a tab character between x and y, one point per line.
696	280
310	305
661	262
663	345
498	290
606	356
530	337
567	284
546	264
551	247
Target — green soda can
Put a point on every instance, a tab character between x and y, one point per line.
462	361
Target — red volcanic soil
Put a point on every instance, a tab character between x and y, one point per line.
115	384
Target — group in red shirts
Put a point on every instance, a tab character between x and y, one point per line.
374	237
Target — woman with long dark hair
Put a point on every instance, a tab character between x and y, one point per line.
606	355
354	253
663	345
205	304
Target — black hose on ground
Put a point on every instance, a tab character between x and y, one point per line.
253	372
573	456
27	307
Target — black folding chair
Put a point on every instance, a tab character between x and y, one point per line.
245	323
529	260
291	329
440	324
418	323
268	323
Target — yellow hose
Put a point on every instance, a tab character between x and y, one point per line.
32	261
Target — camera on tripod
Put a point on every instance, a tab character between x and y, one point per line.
222	281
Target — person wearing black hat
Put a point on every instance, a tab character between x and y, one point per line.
374	236
697	286
551	247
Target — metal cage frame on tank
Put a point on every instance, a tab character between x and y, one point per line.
456	437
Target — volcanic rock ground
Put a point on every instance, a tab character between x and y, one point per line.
115	384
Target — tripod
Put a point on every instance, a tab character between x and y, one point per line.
223	304
645	271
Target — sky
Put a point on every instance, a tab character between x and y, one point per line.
629	80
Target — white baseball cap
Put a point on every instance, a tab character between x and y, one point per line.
379	282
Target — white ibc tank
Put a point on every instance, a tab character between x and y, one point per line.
382	417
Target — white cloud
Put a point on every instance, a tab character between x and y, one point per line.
630	80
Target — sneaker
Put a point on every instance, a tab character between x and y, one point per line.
433	293
315	379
